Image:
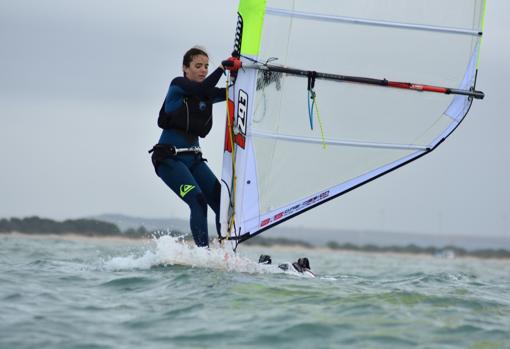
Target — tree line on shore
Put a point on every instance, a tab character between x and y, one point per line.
96	228
86	227
446	251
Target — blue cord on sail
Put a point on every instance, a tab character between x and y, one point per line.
311	97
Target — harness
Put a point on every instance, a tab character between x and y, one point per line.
161	151
172	150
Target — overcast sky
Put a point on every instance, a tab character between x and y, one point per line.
81	83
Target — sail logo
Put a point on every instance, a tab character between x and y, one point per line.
295	209
185	189
236	130
242	113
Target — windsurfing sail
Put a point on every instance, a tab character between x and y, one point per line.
334	94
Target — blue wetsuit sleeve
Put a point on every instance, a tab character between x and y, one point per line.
218	95
193	88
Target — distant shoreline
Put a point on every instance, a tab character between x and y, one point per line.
97	229
285	244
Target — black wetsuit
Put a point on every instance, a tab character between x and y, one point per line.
187	174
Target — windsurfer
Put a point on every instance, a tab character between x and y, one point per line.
186	114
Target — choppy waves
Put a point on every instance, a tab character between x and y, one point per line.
163	293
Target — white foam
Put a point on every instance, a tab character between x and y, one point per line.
169	250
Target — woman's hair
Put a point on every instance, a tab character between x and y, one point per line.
192	52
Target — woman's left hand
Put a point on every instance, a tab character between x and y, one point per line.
232	64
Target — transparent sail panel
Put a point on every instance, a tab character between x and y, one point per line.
358	137
348	112
289	171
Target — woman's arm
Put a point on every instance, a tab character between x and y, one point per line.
218	95
198	88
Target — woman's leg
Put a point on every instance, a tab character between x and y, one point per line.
182	182
210	186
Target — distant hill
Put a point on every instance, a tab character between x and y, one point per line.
151	224
38	225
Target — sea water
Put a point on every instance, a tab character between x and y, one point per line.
75	292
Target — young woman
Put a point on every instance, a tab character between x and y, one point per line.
185	116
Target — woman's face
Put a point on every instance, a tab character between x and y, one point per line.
198	68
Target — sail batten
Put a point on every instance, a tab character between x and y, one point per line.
362	21
339	142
